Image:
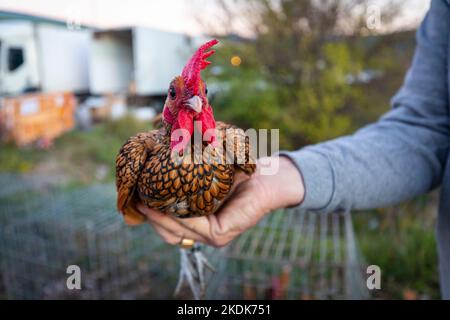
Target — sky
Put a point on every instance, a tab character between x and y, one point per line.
170	15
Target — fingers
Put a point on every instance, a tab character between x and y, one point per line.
200	226
229	221
203	227
242	210
237	214
168	228
240	177
174	235
167	236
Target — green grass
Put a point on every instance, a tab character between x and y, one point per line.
77	155
15	160
402	243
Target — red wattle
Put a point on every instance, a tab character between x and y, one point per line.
182	130
206	117
167	116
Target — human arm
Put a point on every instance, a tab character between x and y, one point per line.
404	153
396	158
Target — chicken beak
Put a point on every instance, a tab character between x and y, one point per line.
195	103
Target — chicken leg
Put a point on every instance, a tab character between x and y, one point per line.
193	264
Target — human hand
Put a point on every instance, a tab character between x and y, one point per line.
252	198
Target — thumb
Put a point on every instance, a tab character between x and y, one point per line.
244	209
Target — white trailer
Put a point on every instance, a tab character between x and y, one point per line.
42	57
139	61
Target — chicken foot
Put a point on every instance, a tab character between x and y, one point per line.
192	270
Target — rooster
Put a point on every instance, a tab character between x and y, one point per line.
166	170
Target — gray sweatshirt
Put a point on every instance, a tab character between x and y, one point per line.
402	155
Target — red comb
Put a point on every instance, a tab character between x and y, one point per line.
191	72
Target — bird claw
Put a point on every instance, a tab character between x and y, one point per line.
192	270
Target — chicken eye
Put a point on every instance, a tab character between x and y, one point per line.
172	93
206	90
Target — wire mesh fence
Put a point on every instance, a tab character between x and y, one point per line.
293	255
290	254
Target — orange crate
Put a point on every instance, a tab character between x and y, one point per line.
31	117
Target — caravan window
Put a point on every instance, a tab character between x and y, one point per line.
15	58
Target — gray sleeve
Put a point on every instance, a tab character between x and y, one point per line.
404	153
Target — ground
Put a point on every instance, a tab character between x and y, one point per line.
400	240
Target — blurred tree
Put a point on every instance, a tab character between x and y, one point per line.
305	68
